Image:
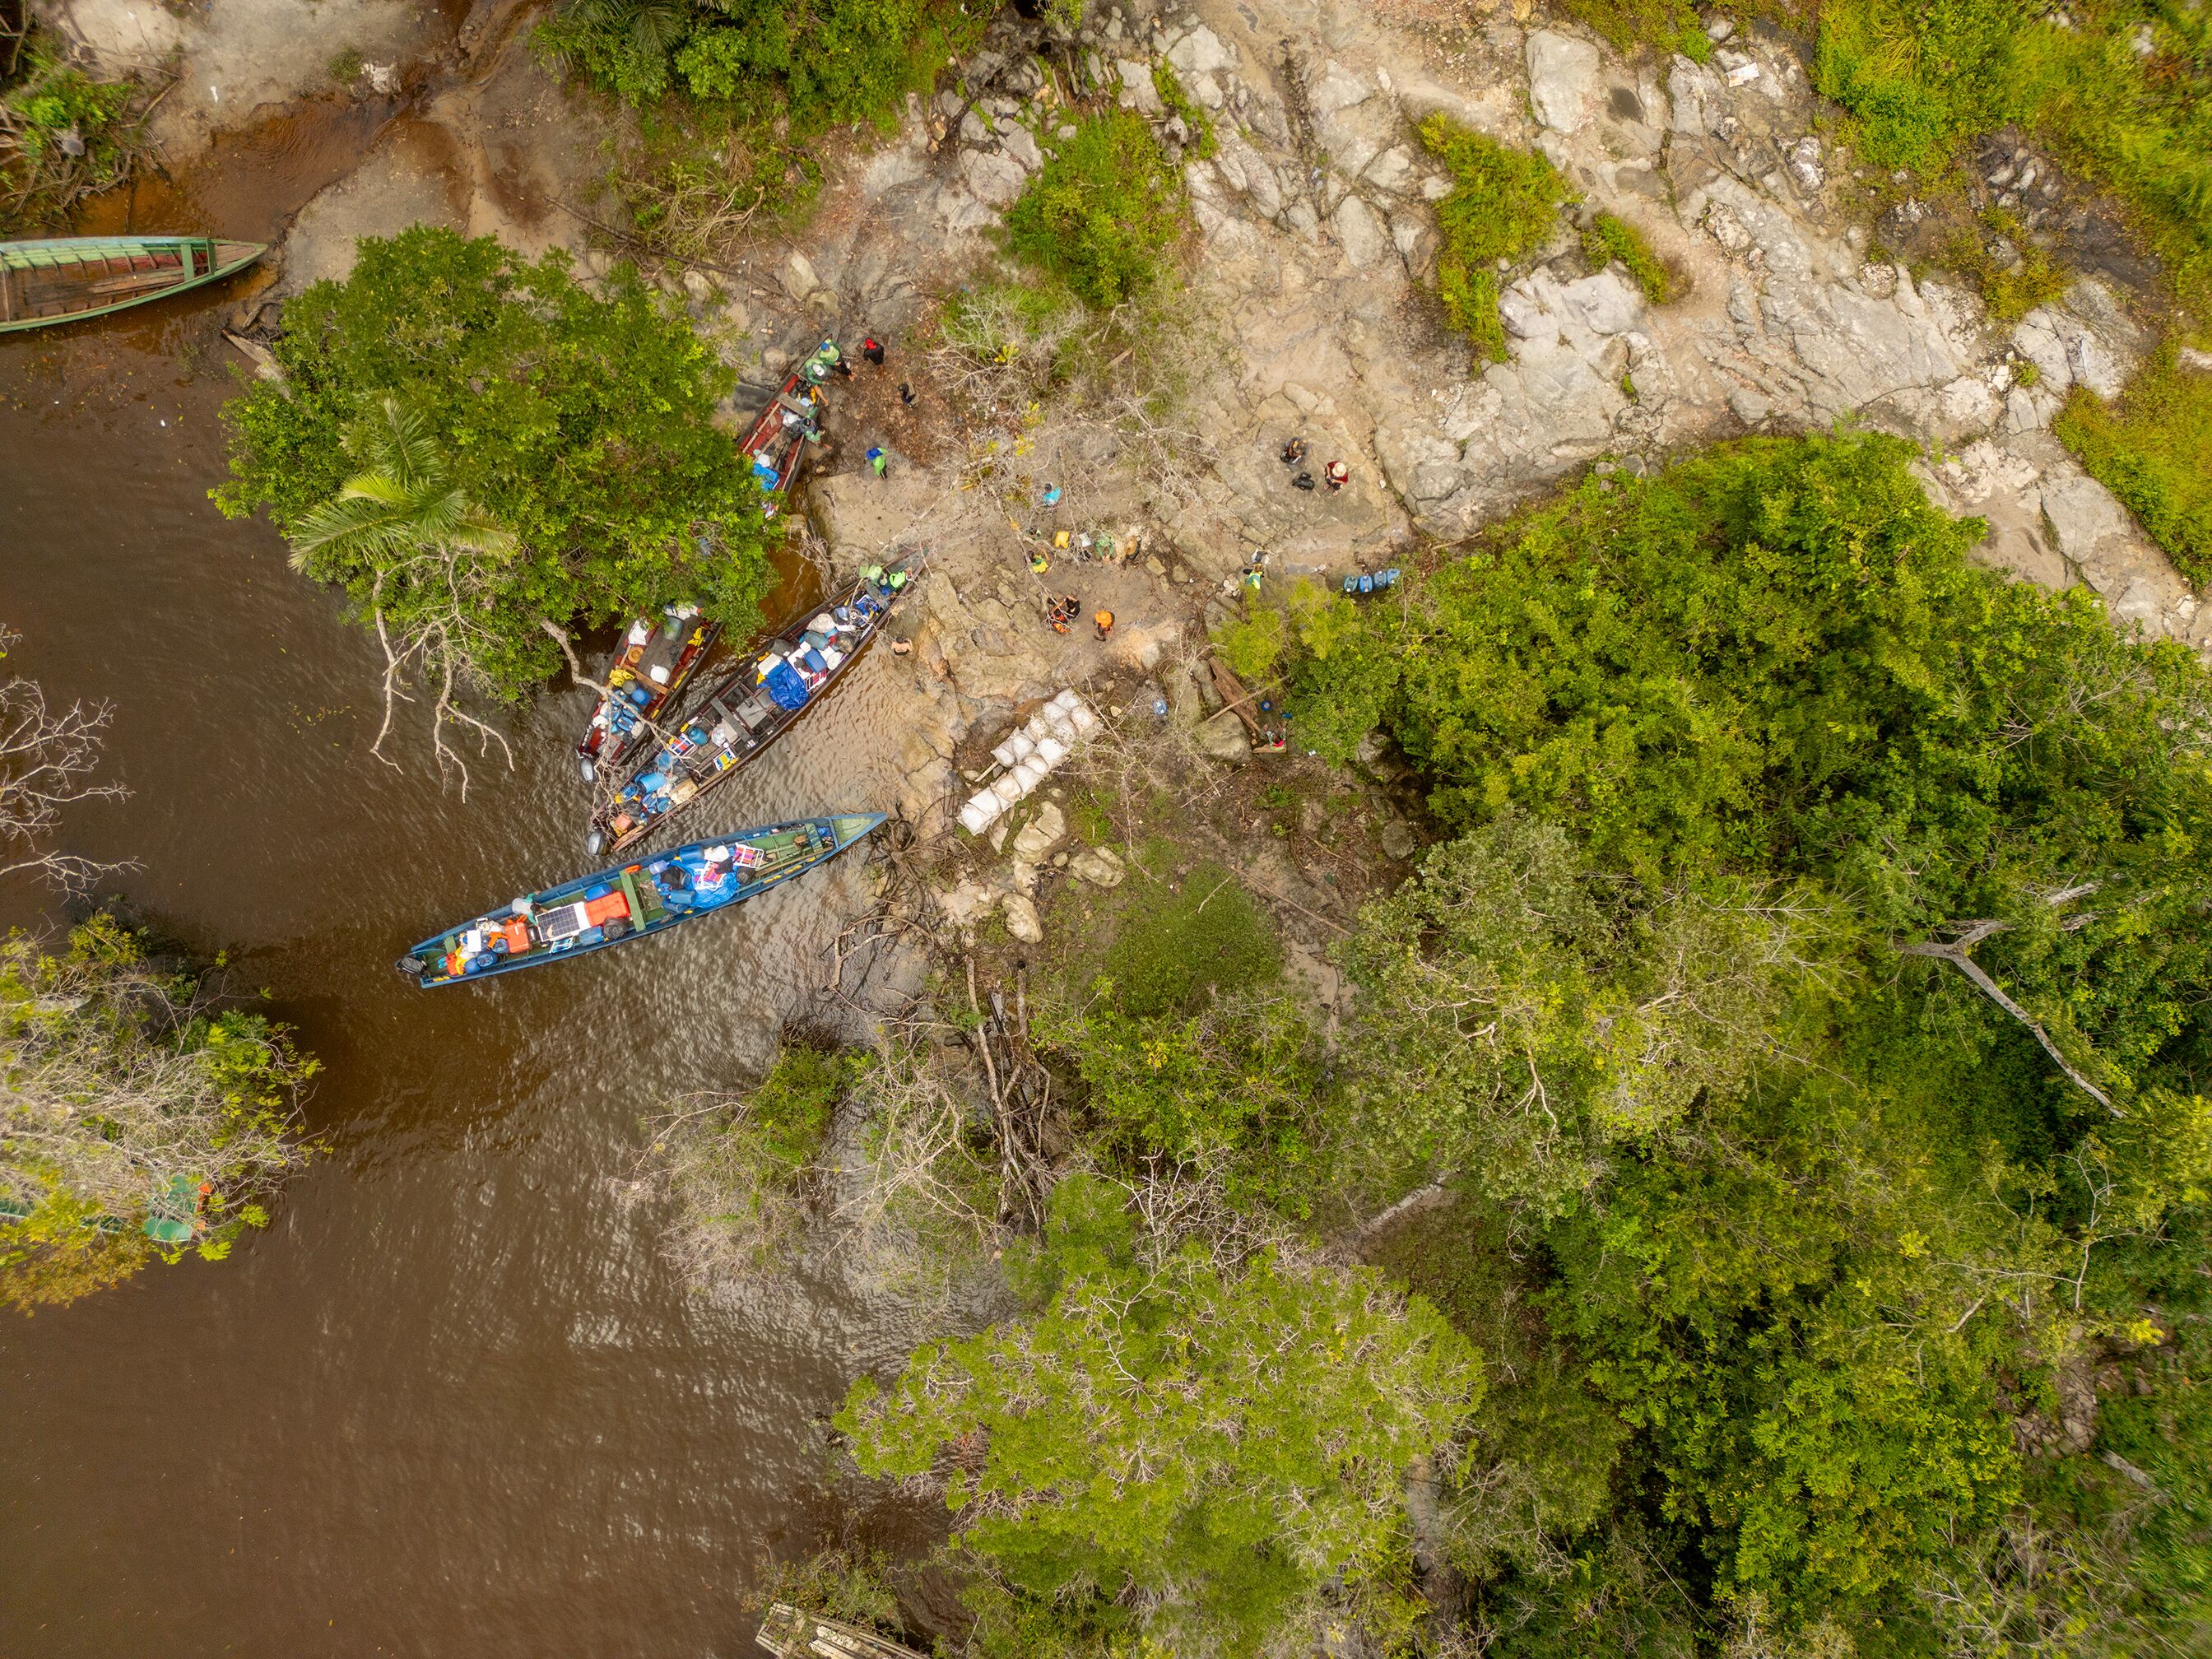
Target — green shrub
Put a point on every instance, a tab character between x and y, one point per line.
1922	78
39	178
1168	85
1503	203
2154	450
1610	237
1632	23
1102	212
1206	934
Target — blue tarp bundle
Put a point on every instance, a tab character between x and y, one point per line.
784	685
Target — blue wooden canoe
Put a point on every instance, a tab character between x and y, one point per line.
632	900
64	279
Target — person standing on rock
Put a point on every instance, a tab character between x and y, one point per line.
1339	475
1294	452
872	350
879	463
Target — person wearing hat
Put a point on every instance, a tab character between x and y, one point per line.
879	463
1339	475
1104	623
872	350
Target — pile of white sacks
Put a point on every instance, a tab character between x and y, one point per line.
1030	756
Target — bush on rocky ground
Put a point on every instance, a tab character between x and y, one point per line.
2152	449
1610	237
1504	203
1103	212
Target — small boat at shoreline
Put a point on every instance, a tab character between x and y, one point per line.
610	906
789	1633
776	441
66	279
739	718
659	657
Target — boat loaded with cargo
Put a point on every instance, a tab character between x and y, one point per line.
658	658
659	653
65	279
745	713
609	906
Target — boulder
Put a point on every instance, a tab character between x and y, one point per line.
1359	233
1097	866
1022	920
2083	515
1563	79
1138	92
797	277
1021	146
1200	52
1606	303
1224	740
1041	835
991	177
966	904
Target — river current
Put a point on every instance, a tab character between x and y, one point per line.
453	1402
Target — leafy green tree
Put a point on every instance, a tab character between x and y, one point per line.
581	427
138	1118
1217	1442
1103	211
1527	1026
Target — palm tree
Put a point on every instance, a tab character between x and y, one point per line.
421	558
403	502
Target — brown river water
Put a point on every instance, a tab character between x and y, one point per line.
452	1401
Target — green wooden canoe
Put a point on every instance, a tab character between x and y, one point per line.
62	279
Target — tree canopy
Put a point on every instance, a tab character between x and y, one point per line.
573	432
138	1116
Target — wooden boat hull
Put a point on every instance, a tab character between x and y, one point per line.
779	446
675	645
68	279
611	907
628	816
789	1633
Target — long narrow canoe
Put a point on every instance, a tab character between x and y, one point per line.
776	441
62	279
609	906
738	719
658	656
790	1634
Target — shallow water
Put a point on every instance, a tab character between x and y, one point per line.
452	1401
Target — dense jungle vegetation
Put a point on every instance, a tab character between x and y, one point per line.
481	453
1761	1202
